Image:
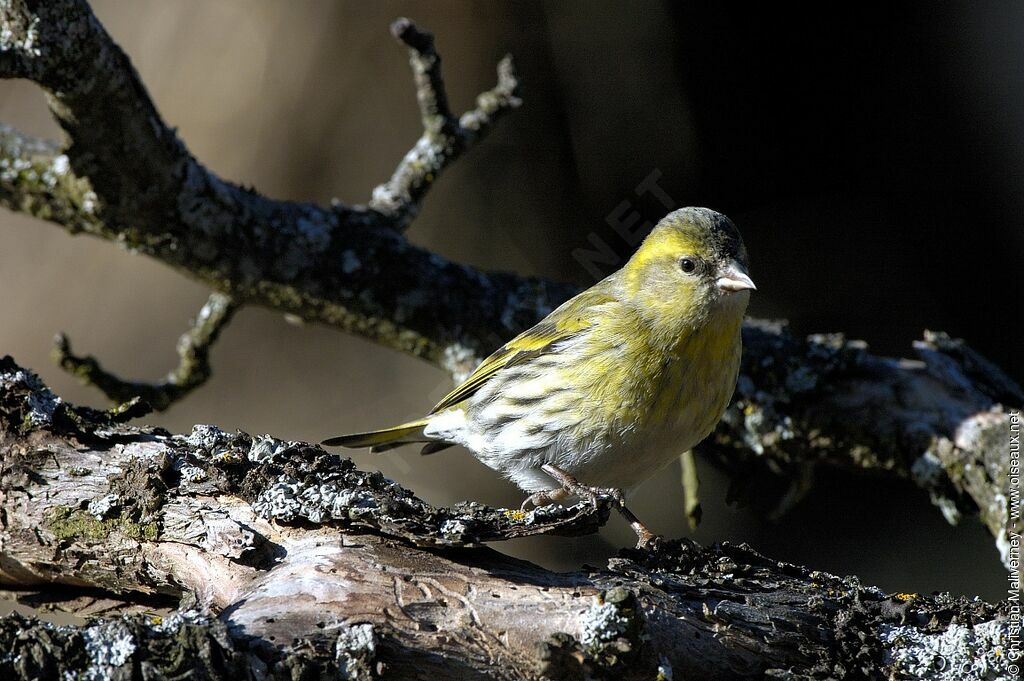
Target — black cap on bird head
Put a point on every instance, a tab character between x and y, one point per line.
709	233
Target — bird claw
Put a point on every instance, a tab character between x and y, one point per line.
543	498
536	500
648	540
571	486
596	494
615	494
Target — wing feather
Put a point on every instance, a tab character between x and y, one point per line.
567	321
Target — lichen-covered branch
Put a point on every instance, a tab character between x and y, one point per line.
943	420
292	563
445	136
124	176
193	366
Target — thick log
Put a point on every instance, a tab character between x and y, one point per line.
292	563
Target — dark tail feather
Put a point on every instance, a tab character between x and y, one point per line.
434	447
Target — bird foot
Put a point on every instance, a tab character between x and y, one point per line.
573	487
645	539
543	498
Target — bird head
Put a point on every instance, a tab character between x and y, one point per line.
691	269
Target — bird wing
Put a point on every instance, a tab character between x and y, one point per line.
570	319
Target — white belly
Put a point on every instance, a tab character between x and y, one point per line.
599	449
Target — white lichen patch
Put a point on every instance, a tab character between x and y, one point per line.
207	437
102	507
453	530
109	645
664	670
192	474
60	166
543	514
1007	543
57	169
223	535
601	623
28	45
759	424
89	202
927	471
973	431
287	500
459	361
355	649
265	448
41	401
959	653
172	623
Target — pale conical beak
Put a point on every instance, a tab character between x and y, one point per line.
735	279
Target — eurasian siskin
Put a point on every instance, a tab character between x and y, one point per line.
615	383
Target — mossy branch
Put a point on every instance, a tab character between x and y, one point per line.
193	366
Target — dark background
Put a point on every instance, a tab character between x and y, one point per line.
872	159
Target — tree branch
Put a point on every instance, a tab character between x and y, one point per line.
124	176
294	564
941	420
192	371
445	137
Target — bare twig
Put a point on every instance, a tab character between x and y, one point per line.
192	371
435	113
445	137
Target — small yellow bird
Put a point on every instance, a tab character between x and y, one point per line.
615	383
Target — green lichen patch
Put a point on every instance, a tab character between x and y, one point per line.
75	525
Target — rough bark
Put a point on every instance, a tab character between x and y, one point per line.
291	563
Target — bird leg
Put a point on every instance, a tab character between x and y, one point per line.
572	486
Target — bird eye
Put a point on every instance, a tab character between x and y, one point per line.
688	265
